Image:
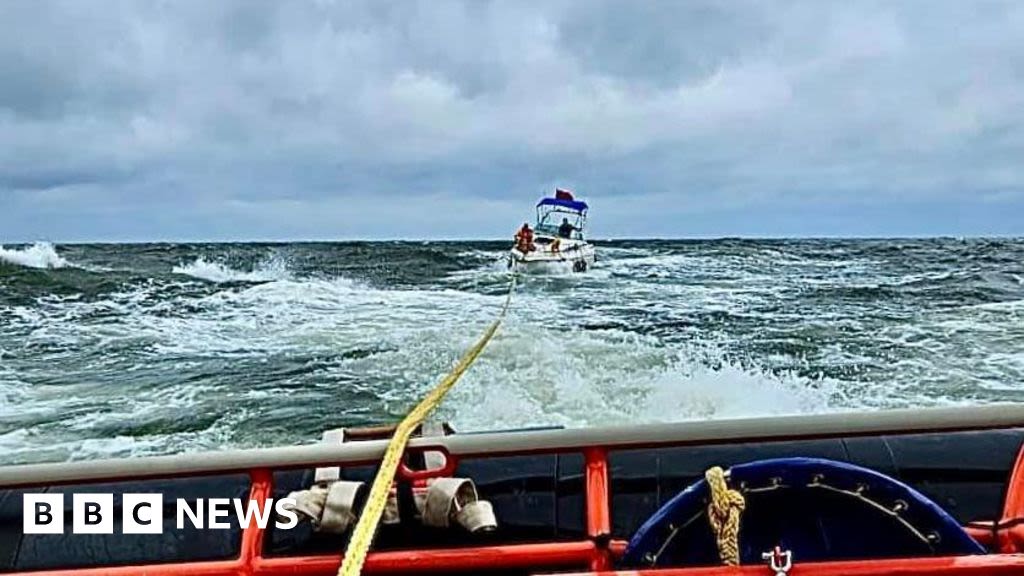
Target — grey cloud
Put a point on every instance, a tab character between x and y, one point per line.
663	43
232	113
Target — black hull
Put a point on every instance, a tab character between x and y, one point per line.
537	497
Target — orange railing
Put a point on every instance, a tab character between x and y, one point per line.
595	554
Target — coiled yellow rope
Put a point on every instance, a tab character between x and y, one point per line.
724	513
366	528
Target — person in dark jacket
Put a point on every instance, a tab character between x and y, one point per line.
566	229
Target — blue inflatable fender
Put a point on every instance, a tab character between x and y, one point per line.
818	509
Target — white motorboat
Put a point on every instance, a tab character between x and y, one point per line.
557	239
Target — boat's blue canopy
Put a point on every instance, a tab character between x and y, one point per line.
574	205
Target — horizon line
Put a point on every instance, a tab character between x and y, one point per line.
501	239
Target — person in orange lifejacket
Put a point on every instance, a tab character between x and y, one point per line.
524	239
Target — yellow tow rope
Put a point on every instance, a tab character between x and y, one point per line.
724	513
366	528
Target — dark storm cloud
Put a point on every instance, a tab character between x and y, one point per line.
132	120
663	43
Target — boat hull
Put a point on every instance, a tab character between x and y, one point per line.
576	257
566	500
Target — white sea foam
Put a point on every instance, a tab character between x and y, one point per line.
213	271
38	255
537	376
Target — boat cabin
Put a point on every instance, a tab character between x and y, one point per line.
552	211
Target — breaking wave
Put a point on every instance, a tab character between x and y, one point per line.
39	255
218	272
537	377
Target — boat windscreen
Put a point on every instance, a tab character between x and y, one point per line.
552	221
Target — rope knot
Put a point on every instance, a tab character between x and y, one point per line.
724	513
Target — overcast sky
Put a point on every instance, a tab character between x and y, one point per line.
221	120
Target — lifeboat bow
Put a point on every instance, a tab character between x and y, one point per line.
816	509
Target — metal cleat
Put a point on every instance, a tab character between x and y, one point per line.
779	561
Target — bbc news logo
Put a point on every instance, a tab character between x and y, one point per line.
144	513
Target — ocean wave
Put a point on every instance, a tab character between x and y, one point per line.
213	271
41	255
536	377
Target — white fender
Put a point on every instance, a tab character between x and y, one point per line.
338	514
456	499
329	507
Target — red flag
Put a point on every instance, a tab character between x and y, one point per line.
563	194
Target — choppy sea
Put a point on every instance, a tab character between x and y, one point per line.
113	350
